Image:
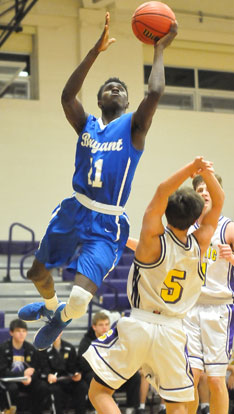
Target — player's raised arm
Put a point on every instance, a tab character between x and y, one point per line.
152	225
210	220
142	118
73	108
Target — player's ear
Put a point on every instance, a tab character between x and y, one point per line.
99	104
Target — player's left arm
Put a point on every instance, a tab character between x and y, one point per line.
143	116
226	251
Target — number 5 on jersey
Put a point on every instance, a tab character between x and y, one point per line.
174	289
97	182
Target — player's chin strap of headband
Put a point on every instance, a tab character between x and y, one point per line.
99	207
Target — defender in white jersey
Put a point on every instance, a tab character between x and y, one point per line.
210	323
164	283
91	228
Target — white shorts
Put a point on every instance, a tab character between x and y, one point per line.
210	335
154	342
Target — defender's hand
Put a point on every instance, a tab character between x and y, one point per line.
225	252
200	166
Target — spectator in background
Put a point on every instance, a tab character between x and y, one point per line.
18	358
59	369
100	325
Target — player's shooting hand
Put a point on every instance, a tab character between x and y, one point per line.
104	42
225	252
169	37
76	377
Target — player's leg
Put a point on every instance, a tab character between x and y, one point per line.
80	296
193	405
95	260
176	408
98	254
144	389
192	328
101	398
162	407
219	400
204	394
218	332
42	279
56	248
44	283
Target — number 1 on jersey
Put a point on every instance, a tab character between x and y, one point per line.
98	172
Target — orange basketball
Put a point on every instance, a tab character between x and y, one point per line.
151	21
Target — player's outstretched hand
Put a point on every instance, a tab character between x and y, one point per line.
225	252
104	42
169	37
200	166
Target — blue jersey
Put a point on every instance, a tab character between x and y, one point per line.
106	160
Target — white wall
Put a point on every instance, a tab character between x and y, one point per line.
38	145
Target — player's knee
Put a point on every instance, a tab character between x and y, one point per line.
216	384
78	302
37	271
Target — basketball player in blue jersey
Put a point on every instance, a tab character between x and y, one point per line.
210	323
163	284
92	224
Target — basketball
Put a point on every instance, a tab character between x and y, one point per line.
151	21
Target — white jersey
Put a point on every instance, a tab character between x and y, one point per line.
172	285
218	287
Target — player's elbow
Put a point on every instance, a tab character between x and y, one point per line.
65	97
155	93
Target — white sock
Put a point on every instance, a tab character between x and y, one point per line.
142	406
52	303
77	304
203	405
161	407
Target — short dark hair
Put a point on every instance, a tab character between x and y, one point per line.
183	208
114	79
17	323
198	179
99	316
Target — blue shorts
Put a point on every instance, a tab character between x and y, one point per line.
81	238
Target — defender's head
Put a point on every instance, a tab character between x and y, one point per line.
200	187
183	208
